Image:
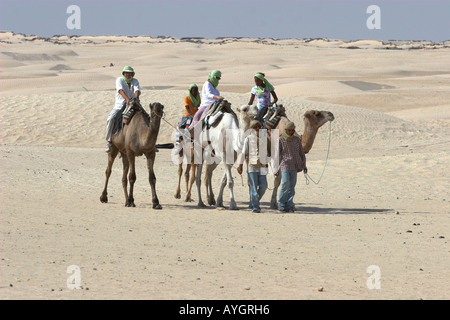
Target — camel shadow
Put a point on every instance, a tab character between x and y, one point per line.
244	206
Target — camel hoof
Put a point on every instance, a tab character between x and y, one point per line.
104	198
177	196
188	200
157	206
201	205
130	205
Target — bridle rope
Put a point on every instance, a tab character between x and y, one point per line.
307	176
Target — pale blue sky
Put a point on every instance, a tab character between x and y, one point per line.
337	19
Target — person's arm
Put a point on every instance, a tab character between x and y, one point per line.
241	157
252	98
240	161
274	95
120	85
277	158
240	168
137	89
210	94
187	107
122	93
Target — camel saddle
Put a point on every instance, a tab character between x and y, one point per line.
213	116
215	113
127	112
185	122
273	116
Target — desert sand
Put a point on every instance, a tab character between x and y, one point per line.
383	199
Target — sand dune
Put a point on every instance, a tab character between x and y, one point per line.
383	199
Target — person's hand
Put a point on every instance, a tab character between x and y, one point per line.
277	174
239	169
305	171
220	98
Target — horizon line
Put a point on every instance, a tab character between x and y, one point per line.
216	38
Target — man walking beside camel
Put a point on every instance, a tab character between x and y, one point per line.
291	159
256	169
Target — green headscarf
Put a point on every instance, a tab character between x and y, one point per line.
269	87
195	100
127	69
213	75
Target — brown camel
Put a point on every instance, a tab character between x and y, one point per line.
312	120
137	138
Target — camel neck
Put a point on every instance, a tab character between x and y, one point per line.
308	136
151	131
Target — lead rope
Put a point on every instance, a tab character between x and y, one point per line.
307	176
176	128
187	138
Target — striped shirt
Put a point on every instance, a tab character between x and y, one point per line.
291	155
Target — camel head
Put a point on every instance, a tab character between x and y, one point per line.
226	104
248	112
316	119
313	120
157	109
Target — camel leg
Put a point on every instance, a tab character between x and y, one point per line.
132	179
230	183
205	182
152	179
276	184
191	183
208	183
111	157
187	174
190	173
198	180
126	167
223	183
177	194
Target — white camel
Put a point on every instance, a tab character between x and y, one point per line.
221	143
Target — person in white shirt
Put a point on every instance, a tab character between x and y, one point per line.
210	94
127	88
256	160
